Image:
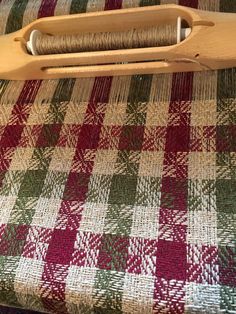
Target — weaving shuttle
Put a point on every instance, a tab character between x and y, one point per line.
200	41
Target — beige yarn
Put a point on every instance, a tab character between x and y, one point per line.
164	35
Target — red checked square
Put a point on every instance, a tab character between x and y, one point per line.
89	137
11	136
177	139
171	260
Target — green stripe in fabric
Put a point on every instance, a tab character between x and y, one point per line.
78	6
8	268
140	88
144	3
122	196
226	90
228	6
63	90
15	18
228	299
137	100
108	300
59	101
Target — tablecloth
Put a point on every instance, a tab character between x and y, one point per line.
117	194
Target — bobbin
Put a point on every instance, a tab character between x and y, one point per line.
210	45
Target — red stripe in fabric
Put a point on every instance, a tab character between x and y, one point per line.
47	8
113	4
22	107
171	267
189	3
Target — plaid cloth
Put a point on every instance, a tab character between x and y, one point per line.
117	195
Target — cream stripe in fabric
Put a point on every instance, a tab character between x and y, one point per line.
5	8
119	90
209	5
31	12
116	108
169	2
159	98
130	3
82	95
62	7
8	100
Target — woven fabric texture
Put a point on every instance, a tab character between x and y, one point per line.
117	194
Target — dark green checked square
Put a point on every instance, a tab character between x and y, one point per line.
227	299
13	239
201	193
33	183
226	228
226	195
123	189
107	293
228	6
8	267
11	183
227	263
226	118
232	118
118	219
136	113
223	159
54	184
56	113
23	210
127	162
225	106
41	158
98	188
226	165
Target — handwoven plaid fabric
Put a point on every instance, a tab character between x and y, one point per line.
117	194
